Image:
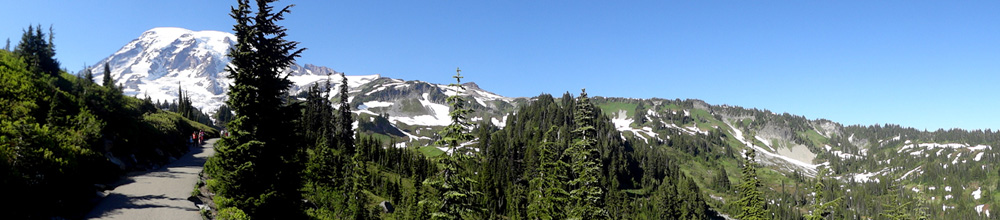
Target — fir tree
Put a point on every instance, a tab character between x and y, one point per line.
722	180
345	132
547	199
751	202
665	201
820	208
88	75
257	166
586	195
110	82
36	52
457	198
223	115
358	207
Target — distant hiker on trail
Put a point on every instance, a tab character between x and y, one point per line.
201	137
194	137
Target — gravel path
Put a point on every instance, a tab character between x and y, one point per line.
158	194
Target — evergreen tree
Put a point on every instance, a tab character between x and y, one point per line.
665	201
751	202
586	195
257	166
36	52
7	47
110	82
639	115
457	198
345	132
693	206
324	169
358	207
722	180
223	115
182	104
547	199
821	209
88	75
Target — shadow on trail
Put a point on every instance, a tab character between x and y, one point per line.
188	160
161	190
122	202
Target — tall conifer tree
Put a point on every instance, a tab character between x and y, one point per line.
257	166
88	76
751	202
345	132
36	52
109	82
547	198
586	195
457	198
820	208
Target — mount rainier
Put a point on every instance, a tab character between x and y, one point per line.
162	59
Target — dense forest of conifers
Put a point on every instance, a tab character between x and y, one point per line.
64	138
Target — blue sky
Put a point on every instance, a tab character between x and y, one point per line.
922	64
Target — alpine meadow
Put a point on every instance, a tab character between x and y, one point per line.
233	124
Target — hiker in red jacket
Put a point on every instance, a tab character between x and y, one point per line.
201	137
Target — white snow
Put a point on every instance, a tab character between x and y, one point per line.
979	156
948	145
762	140
978	193
915	190
867	177
374	104
931	188
689	130
980	147
438	117
841	154
621	121
956	159
399	145
650	112
947	188
810	169
979	210
908	173
499	123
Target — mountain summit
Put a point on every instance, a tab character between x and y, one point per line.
163	58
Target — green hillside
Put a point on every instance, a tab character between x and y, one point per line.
64	138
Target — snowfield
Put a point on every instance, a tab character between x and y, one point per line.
438	117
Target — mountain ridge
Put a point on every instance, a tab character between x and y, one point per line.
414	110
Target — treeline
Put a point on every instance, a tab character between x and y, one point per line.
184	107
64	137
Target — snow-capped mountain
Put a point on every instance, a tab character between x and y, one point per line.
162	59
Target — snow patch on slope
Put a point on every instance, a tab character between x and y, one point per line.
438	117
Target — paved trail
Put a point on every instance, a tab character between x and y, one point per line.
158	194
